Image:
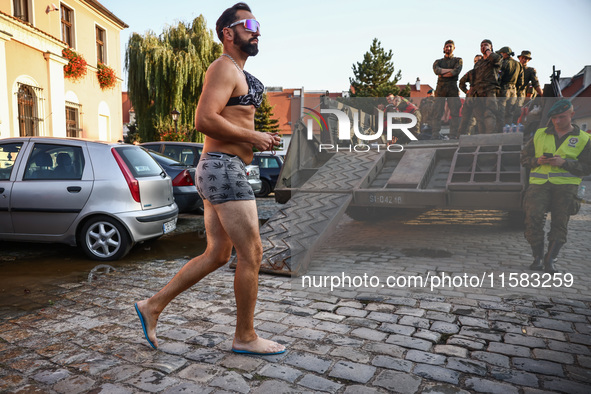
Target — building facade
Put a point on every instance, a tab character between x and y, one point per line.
36	99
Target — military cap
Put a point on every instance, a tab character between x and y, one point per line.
559	107
526	54
430	91
507	50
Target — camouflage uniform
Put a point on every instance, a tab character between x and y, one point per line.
530	75
447	87
485	91
558	199
511	80
426	108
468	121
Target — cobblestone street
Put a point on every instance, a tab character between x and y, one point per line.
483	338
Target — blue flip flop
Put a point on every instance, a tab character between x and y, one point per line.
256	353
143	325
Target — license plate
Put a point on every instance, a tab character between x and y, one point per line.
169	226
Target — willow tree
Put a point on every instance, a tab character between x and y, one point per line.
167	71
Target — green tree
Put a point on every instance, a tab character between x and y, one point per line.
263	117
167	71
373	76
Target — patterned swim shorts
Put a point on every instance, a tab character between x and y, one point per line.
222	177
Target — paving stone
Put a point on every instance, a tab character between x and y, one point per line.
366	333
473	322
492	358
311	347
552	355
166	363
333	327
278	387
320	384
444	327
451	350
579	374
177	348
360	322
466	365
547	334
524	340
329	317
109	388
409	342
569	347
441	316
358	389
508	349
397	329
416	312
208	339
354	372
74	385
515	377
436	306
200	373
488	386
51	377
152	381
433	372
323	306
401	301
398	382
238	361
346	311
342	340
584	361
425	357
414	321
428	335
231	381
392	363
384	348
481	333
566	386
383	317
206	355
552	324
188	388
306	333
280	372
584	339
179	334
308	361
538	366
470	343
350	353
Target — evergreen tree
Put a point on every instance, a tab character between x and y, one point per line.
263	117
167	71
373	76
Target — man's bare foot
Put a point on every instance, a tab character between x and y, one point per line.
149	322
259	346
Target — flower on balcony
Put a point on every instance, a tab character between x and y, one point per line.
76	67
106	76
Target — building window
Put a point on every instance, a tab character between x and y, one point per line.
100	45
29	99
73	120
67	25
21	10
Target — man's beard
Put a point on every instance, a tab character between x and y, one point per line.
251	49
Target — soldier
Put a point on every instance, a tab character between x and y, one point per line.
400	104
447	69
511	80
486	87
558	156
426	108
530	76
468	122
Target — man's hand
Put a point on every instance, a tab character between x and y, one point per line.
266	141
556	161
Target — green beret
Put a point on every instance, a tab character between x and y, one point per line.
430	91
559	107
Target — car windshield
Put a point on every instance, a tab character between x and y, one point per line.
139	161
166	160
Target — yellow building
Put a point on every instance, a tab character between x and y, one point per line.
35	97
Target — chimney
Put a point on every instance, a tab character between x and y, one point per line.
418	84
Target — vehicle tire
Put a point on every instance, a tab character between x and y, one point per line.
265	189
105	239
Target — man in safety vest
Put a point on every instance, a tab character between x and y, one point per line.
558	156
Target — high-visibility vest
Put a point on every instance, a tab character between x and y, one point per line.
571	148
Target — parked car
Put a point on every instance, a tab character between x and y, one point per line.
185	192
103	197
270	167
190	153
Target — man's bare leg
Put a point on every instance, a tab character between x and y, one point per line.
219	249
240	221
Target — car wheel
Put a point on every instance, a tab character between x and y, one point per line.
104	238
265	189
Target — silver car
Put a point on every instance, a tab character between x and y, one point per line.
102	197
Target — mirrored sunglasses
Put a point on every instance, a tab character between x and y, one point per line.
251	25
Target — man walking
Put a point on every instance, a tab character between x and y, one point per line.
447	70
558	156
225	114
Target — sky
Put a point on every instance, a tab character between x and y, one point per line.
314	44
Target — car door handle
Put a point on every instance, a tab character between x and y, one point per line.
1	190
74	189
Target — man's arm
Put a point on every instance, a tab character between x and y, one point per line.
528	155
581	166
220	82
464	80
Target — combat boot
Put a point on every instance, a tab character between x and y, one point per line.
550	258
538	252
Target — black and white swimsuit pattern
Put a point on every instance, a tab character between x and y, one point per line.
221	177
